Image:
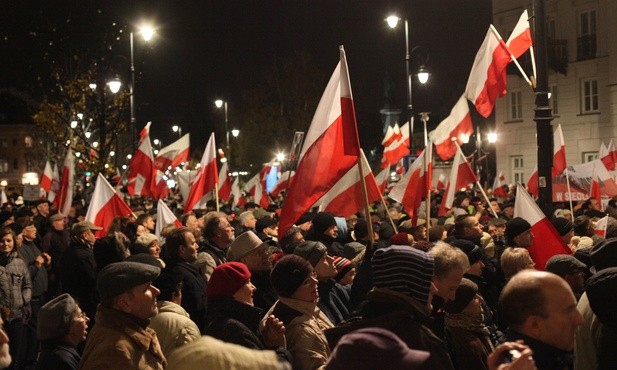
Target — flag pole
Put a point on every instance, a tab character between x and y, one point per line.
570	191
488	202
367	212
216	195
428	157
503	45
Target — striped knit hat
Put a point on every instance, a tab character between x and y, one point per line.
405	270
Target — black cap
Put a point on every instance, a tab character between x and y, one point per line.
604	255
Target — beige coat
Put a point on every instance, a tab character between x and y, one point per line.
173	326
587	337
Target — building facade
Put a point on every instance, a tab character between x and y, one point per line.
18	159
582	76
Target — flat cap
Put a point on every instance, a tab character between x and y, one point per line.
55	317
83	226
119	277
562	264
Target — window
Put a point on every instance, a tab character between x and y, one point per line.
28	141
4	165
516	164
586	47
589	96
589	156
515	106
554	100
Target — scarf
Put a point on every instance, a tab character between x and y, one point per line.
471	323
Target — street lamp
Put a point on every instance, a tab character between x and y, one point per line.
223	104
178	129
235	132
423	74
146	32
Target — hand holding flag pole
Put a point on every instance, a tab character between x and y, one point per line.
477	182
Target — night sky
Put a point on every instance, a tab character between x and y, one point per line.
206	50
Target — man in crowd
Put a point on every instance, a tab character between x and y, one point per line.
518	233
247	222
218	234
121	339
55	242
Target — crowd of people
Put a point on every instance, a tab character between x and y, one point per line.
227	291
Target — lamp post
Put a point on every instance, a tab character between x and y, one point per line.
178	129
221	103
423	74
147	32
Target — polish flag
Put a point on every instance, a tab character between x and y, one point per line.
64	196
547	241
331	147
224	182
608	155
283	183
498	186
456	126
251	185
346	197
441	182
144	131
601	225
559	162
595	188
532	183
520	38
205	182
174	154
461	176
159	188
117	178
487	79
261	196
412	187
382	179
55	184
105	205
389	137
235	191
400	167
398	149
164	217
142	167
47	178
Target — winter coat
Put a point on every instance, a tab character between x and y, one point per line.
57	355
78	275
38	275
265	295
469	344
587	337
401	315
119	341
305	325
334	300
173	326
15	285
194	298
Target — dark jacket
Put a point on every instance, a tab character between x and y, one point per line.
57	355
265	296
194	299
546	356
469	349
217	253
334	300
28	252
78	275
398	313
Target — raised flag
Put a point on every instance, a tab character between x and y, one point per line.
441	182
382	180
499	186
235	191
601	226
461	176
47	178
398	149
250	185
412	187
547	241
283	183
174	154
487	79
532	183
331	147
105	205
224	182
55	184
261	196
559	162
389	137
520	38
144	131
164	217
346	197
159	188
595	188
140	176
206	180
455	127
64	198
608	155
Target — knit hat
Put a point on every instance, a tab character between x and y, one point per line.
473	252
308	216
83	226
352	249
516	227
289	273
585	242
367	348
405	270
243	245
322	222
146	239
604	255
562	225
4	216
311	251
265	222
55	317
119	277
400	239
563	264
600	289
56	217
465	293
227	278
343	266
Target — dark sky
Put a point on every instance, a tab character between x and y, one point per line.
210	49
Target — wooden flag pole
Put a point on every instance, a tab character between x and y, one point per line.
478	185
367	212
428	156
216	195
503	44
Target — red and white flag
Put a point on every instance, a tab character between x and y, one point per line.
346	197
461	176
174	154
487	79
382	179
595	188
224	182
413	186
55	184
283	183
64	197
206	180
159	188
331	147
390	136
144	131
547	241
261	196
499	185
105	205
235	191
520	38
164	217
601	225
398	149
46	178
559	162
456	126
441	181
251	185
142	167
608	155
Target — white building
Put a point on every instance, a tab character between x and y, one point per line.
582	38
